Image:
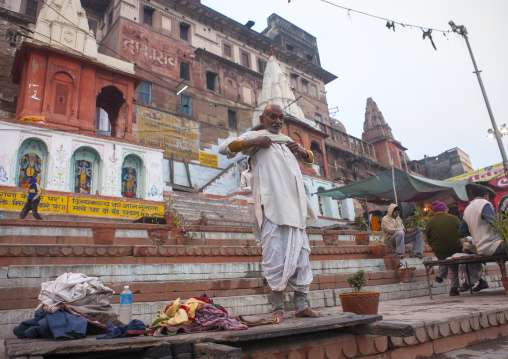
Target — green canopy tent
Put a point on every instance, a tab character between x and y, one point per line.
379	189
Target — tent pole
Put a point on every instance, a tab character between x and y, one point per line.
368	213
393	180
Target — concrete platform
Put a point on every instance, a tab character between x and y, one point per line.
441	325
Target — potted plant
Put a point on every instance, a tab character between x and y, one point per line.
169	209
417	219
500	224
359	302
177	230
379	248
391	260
406	274
362	238
331	238
203	219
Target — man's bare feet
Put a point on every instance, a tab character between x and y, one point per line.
277	317
308	313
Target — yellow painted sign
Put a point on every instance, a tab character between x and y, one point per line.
12	200
208	159
177	136
485	174
16	201
100	207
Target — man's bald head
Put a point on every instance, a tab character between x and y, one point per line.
272	118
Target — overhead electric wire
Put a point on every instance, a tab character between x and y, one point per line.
384	18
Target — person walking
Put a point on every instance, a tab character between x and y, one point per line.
34	197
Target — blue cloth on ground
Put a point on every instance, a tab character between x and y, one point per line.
57	325
121	330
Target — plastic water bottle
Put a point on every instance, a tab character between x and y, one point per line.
125	311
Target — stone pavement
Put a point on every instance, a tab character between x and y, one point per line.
493	349
443	325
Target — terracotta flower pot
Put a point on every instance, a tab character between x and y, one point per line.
360	302
103	235
362	239
392	261
203	221
158	236
331	239
169	219
407	275
379	250
129	194
504	280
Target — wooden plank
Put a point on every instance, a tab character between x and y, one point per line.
389	329
290	326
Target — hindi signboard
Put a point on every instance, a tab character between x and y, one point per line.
208	159
484	174
177	136
12	200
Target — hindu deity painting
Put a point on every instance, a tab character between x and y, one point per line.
30	166
129	182
83	176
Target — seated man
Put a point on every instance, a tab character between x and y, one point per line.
399	236
443	236
476	223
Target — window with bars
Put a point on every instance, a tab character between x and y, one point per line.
148	15
210	80
185	105
184	71
145	92
31	8
184	31
294	83
261	66
227	50
314	90
245	59
305	86
232	120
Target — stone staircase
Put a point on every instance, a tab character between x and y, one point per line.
223	262
222	211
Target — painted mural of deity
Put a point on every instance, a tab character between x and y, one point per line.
83	177
30	165
129	182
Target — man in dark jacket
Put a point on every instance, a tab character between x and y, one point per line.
443	236
34	196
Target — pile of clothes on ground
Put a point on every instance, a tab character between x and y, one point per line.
197	314
72	306
75	305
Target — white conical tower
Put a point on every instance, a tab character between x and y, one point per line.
276	90
63	24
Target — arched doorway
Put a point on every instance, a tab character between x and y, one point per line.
111	101
85	164
32	158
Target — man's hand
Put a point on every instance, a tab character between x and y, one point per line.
295	147
410	230
262	142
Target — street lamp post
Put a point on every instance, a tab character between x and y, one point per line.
461	30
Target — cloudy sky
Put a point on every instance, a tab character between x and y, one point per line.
431	99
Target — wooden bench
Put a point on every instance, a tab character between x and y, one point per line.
500	259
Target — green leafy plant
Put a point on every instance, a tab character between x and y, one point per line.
416	219
202	215
169	203
391	247
357	280
192	235
500	224
360	223
379	237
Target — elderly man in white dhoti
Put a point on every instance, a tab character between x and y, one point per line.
282	208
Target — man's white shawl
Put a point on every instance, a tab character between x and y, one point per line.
277	182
